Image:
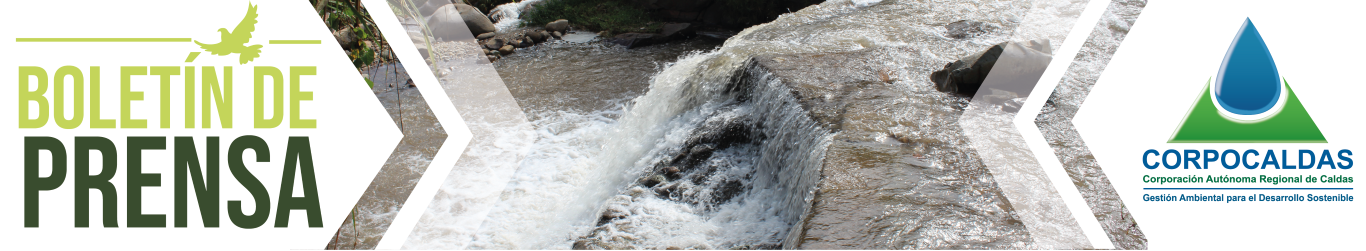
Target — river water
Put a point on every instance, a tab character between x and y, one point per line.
677	146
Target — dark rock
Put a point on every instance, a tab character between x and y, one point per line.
558	25
485	35
965	76
1018	70
633	40
724	193
967	29
653	180
545	36
678	30
557	34
519	43
667	191
698	154
611	214
535	36
722	131
580	244
410	84
444	22
492	58
494	44
507	50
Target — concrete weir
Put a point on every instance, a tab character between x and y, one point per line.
898	173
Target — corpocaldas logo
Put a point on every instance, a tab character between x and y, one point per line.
185	116
1219	120
1249	102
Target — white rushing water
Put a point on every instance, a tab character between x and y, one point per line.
507	16
587	163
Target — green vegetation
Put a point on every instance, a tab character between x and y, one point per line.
369	47
613	16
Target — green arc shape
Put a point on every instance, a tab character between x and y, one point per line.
1203	124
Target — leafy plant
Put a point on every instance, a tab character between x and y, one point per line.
344	14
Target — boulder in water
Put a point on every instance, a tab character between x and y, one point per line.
678	30
535	35
633	40
507	50
557	34
965	76
446	20
493	44
558	25
485	35
523	43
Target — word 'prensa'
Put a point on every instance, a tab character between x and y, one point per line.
205	180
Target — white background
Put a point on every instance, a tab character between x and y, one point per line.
353	136
1159	71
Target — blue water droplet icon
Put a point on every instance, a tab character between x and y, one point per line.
1248	83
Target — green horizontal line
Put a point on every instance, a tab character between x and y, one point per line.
102	39
296	42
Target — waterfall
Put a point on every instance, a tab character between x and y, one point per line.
719	153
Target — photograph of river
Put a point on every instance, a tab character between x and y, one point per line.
747	124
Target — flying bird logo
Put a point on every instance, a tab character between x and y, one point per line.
235	41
